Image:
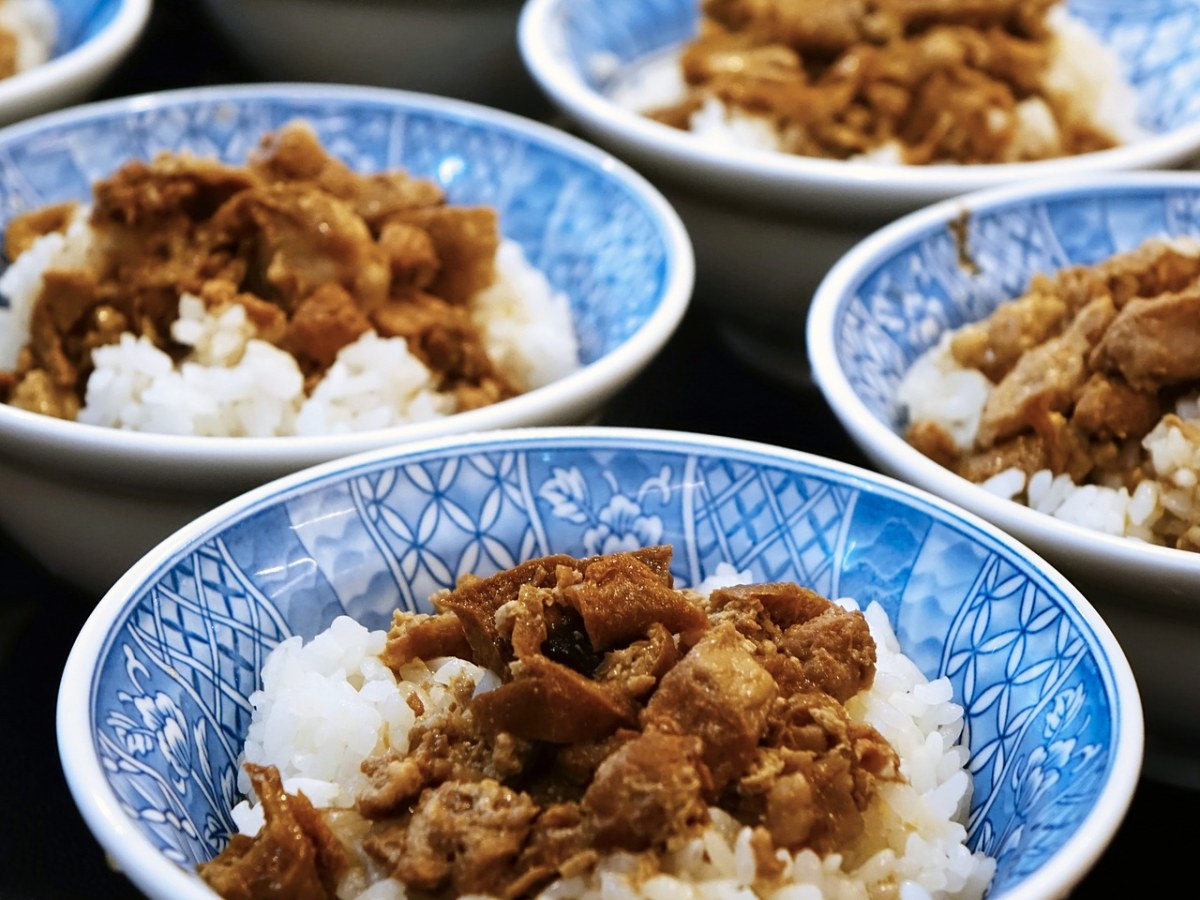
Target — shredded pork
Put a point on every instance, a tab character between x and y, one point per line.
940	80
628	710
316	254
1083	366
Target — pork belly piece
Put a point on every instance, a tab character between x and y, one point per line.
424	637
547	701
1047	377
294	856
294	153
994	345
1155	342
827	769
465	239
720	693
298	238
461	838
648	793
1108	407
620	597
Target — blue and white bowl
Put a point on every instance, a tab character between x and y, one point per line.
153	704
892	297
93	36
601	233
794	216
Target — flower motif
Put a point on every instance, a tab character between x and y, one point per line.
622	527
162	724
165	720
622	524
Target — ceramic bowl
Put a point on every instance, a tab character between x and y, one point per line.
890	299
90	38
457	48
767	226
621	256
1053	716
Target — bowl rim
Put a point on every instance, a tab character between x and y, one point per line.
95	54
162	455
158	877
768	173
902	460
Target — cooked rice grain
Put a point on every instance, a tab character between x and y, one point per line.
327	705
232	384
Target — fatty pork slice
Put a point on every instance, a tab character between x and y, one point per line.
1154	343
720	693
476	601
462	837
825	648
1047	377
548	701
294	153
294	854
299	238
817	772
649	792
620	597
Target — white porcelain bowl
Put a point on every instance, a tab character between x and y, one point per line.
87	501
890	299
457	48
153	705
767	226
93	36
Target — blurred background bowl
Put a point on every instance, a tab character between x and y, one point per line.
1053	715
599	231
457	48
766	226
91	38
893	296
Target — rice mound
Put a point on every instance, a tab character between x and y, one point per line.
936	388
1085	70
326	705
232	384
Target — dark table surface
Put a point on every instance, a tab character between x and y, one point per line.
695	385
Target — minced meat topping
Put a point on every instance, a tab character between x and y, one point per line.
315	253
627	711
1085	370
960	81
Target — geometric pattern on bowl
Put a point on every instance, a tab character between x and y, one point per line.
1155	42
593	238
168	700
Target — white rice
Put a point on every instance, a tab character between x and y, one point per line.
35	25
937	389
327	705
1085	70
232	384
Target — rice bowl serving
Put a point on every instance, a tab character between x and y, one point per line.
85	301
565	273
348	718
392	580
1079	398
